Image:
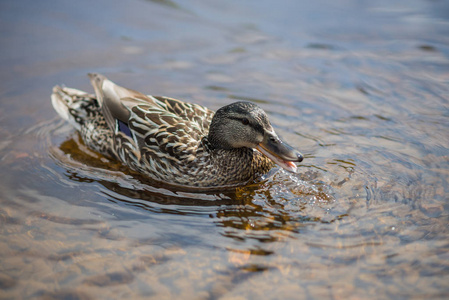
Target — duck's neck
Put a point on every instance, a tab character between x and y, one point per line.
216	141
239	165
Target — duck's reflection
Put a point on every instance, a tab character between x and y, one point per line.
263	211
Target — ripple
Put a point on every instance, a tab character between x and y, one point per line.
280	203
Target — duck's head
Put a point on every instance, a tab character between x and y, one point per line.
244	124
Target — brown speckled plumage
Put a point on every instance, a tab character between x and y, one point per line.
162	138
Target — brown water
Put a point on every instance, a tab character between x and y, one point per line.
360	87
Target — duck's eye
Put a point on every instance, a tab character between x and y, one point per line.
245	121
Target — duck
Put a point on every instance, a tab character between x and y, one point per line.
175	142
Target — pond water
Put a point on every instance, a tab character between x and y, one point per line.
360	87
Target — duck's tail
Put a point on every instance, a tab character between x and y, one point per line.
111	101
73	105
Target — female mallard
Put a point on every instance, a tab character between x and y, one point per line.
172	141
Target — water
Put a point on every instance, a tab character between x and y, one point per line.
360	87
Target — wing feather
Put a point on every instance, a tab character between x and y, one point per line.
164	130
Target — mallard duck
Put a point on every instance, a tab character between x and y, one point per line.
172	141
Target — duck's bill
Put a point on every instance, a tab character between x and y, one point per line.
280	153
285	164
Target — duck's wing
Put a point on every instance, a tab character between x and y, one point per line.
159	125
116	101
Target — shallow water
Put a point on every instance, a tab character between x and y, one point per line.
361	88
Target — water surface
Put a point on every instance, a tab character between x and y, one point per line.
361	88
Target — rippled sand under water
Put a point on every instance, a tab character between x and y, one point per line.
361	90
